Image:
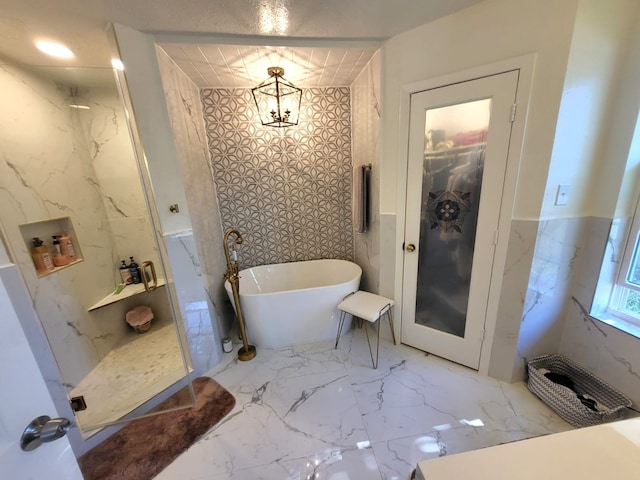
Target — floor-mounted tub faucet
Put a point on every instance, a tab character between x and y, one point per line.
246	352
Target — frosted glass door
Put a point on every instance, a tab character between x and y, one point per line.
452	170
458	146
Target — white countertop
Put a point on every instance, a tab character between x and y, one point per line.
610	452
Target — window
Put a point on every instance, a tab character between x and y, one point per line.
625	300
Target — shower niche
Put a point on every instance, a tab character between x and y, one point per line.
69	167
61	255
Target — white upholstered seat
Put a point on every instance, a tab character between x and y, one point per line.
369	307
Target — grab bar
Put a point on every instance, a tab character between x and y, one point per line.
149	287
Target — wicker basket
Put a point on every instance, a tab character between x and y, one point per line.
564	402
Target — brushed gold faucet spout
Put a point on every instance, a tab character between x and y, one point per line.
232	266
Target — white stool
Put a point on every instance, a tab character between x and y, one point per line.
369	307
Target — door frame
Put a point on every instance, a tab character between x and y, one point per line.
525	65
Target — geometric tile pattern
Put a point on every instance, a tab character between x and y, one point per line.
287	190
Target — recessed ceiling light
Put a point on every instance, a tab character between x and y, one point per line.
80	107
54	49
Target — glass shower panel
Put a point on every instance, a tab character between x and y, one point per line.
455	140
69	170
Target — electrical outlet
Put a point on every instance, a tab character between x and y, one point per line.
562	195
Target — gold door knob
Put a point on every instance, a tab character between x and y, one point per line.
411	247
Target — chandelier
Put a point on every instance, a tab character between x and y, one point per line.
277	99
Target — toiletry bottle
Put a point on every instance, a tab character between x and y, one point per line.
56	247
40	254
125	275
66	246
134	270
56	255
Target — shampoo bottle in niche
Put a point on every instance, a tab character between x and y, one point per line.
125	274
58	258
66	246
56	246
41	257
134	270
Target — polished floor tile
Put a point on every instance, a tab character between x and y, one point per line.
312	412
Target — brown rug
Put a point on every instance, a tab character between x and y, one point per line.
146	446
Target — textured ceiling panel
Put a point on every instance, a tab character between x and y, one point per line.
233	66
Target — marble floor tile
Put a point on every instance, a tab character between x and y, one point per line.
269	365
151	362
277	421
312	412
336	464
397	458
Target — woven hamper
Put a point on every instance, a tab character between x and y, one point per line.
564	402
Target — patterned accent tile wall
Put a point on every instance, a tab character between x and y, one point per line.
288	190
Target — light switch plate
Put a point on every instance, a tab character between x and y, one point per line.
562	195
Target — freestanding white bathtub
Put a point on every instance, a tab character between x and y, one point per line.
295	303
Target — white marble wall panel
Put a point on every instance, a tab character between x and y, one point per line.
388	241
535	293
604	350
187	122
46	172
115	166
522	238
365	138
558	245
203	342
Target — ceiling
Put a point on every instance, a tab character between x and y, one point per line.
233	66
191	32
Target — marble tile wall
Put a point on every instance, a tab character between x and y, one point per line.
45	167
609	353
287	190
564	257
513	294
114	163
48	168
195	307
365	119
535	290
558	246
209	316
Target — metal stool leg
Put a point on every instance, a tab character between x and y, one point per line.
393	333
340	325
366	331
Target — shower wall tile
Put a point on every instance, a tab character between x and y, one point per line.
365	104
109	145
46	172
187	123
287	190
